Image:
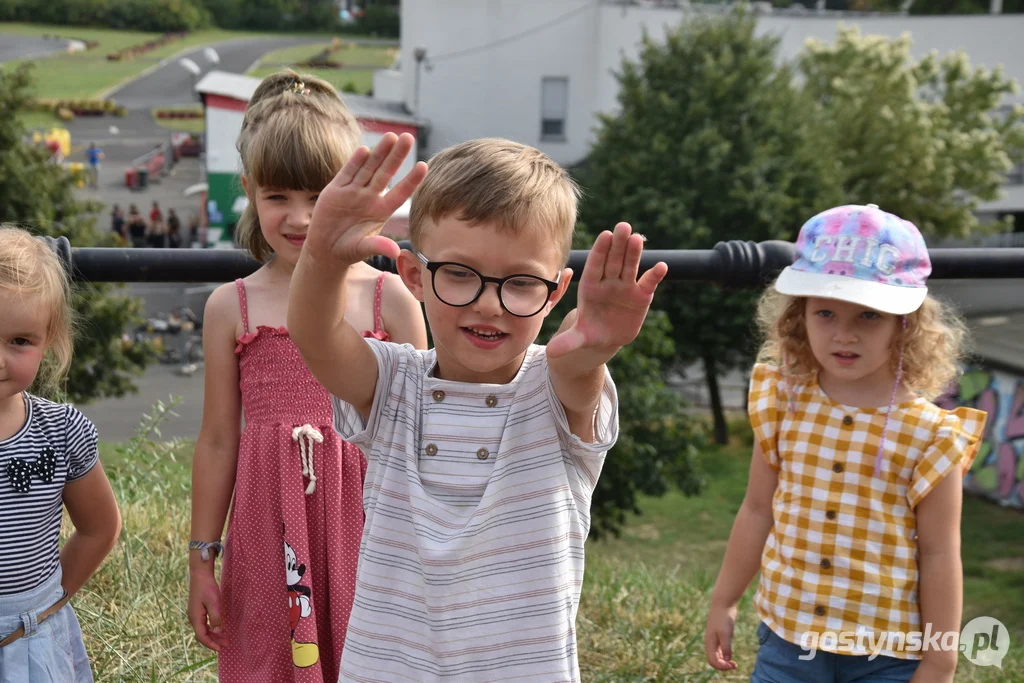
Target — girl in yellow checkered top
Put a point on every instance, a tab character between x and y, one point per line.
852	510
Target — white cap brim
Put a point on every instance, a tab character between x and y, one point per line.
892	299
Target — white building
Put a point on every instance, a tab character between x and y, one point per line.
538	71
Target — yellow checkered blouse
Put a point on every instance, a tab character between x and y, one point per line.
842	553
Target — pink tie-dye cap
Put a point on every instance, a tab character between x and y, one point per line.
862	255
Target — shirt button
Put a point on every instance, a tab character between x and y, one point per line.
431	449
491	401
831	514
819	610
847	420
825	564
837	468
482	453
438	395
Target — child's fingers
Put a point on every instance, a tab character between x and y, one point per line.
593	269
197	617
613	264
392	162
565	342
718	653
355	162
631	262
650	280
375	245
404	189
381	150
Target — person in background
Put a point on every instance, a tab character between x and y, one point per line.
173	229
93	157
117	224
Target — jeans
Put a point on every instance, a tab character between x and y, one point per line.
50	652
778	662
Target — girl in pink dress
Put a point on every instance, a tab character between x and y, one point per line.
292	543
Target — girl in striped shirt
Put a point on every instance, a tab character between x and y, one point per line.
48	461
852	510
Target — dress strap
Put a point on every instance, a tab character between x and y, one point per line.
243	305
377	298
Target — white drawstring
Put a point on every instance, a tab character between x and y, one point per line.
305	436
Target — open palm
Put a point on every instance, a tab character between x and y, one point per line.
353	208
612	302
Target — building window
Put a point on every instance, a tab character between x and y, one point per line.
1016	175
554	105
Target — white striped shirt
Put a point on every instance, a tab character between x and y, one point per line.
30	520
477	502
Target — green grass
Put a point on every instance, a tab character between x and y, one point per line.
354	55
39	119
88	73
359	79
645	596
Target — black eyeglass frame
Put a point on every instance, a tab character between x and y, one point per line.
433	267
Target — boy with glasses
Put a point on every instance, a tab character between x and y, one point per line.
484	451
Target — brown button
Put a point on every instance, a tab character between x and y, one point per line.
847	420
438	395
831	514
819	610
491	401
482	453
431	449
825	564
837	468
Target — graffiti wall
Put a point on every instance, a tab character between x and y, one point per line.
998	471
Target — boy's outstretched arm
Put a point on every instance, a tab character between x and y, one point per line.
344	230
611	308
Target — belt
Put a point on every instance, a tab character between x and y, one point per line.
43	616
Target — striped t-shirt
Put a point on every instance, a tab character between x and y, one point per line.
57	444
477	502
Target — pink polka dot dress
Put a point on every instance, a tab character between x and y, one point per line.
292	544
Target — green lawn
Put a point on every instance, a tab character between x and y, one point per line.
354	55
39	119
358	79
88	73
644	602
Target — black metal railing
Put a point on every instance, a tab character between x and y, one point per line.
732	264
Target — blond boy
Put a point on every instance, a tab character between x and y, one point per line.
484	451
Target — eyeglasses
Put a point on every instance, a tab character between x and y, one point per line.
459	285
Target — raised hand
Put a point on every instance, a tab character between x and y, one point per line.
352	209
612	303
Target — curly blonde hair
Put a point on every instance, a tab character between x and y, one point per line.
933	342
30	268
296	134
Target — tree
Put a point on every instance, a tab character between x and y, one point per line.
926	140
658	442
709	144
39	196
